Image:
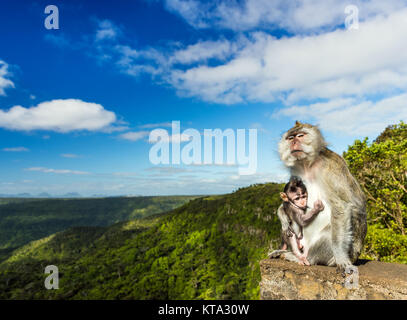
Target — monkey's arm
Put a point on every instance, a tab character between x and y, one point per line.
306	218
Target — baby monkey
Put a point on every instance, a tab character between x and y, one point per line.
294	214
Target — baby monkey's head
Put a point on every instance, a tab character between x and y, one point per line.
295	193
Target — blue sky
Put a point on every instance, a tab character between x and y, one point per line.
77	104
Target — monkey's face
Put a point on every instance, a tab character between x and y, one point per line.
299	198
295	142
302	142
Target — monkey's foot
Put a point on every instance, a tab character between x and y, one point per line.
341	267
351	274
303	261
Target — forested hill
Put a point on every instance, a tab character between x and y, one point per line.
381	169
24	220
207	249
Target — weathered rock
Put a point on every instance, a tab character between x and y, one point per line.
283	280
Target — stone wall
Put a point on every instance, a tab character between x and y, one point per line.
283	280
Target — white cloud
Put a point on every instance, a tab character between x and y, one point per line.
58	115
4	81
370	60
134	136
300	16
258	67
155	125
107	30
160	61
191	10
70	155
16	149
57	171
202	51
134	62
316	60
352	117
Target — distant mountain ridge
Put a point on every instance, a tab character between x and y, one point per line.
41	195
24	220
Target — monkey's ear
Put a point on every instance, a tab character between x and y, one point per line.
284	196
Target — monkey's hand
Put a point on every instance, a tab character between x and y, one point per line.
318	206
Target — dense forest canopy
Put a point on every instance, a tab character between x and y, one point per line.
209	248
24	220
381	169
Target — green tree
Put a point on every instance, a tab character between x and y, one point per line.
381	169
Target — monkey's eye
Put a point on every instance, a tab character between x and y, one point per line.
290	137
300	135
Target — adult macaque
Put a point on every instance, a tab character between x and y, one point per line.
334	238
294	215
